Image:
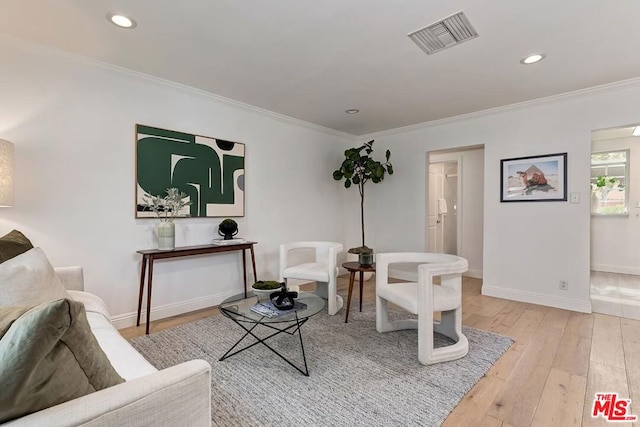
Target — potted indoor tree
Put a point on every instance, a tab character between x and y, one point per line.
358	168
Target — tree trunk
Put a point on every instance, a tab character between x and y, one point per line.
362	210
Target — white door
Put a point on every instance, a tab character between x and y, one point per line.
436	177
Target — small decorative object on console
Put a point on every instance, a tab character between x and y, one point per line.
222	242
228	228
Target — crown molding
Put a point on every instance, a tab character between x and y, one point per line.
519	105
39	49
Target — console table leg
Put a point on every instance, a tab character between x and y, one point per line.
253	263
244	270
142	273
149	294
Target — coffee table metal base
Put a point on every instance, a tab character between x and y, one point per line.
296	325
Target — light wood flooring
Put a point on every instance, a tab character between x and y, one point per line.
615	294
548	377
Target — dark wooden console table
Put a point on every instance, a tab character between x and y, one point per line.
150	255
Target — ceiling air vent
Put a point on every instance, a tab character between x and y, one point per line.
440	35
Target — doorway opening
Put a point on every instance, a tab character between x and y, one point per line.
443	207
455	204
615	216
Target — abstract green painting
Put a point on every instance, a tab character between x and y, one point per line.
209	170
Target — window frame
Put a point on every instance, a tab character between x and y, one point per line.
626	164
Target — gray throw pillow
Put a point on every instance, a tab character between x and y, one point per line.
48	355
29	279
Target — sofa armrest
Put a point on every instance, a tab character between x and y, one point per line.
71	278
180	395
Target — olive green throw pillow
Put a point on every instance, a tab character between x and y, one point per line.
13	244
48	355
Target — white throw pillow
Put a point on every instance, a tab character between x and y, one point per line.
29	279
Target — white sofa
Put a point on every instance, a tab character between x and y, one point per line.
176	396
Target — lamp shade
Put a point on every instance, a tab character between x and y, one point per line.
6	173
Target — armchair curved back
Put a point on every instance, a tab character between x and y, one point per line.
325	252
431	264
323	270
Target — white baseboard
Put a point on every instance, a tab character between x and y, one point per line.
129	319
621	269
475	273
539	299
160	312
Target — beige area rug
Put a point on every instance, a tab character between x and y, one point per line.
358	377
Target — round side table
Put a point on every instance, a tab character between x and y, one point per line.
352	267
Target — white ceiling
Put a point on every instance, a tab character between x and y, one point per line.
313	59
613	133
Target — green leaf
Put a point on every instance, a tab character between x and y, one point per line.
349	167
359	166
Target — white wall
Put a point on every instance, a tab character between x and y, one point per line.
615	240
471	204
72	122
528	247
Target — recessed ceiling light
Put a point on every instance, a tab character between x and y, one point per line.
121	20
352	111
636	131
532	59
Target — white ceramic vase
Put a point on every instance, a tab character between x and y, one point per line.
166	233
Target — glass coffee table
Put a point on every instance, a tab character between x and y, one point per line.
238	309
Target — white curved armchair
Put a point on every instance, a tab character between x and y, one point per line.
323	271
424	298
